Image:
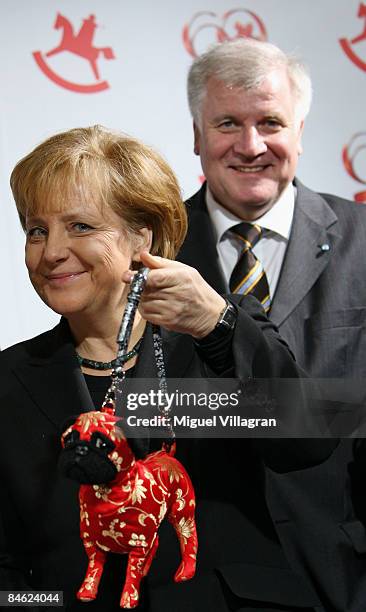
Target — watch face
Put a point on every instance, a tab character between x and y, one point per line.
225	324
228	317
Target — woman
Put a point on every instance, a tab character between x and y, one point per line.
95	205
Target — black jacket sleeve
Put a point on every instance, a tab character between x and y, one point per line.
277	381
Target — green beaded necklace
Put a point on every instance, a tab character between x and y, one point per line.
108	365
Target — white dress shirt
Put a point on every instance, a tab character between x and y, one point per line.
270	249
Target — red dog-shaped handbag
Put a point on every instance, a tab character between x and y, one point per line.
124	500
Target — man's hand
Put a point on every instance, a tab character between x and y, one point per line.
177	297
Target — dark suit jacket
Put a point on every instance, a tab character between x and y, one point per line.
320	310
41	385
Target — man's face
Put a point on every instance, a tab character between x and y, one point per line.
249	143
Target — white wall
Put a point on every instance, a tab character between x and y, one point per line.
146	97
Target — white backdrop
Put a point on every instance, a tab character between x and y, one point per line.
141	90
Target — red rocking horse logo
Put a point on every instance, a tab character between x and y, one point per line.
236	23
80	43
350	152
347	45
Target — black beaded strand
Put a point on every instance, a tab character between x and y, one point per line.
118	375
109	365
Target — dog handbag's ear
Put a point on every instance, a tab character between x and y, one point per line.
120	424
69	421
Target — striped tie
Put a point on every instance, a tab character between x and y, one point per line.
248	276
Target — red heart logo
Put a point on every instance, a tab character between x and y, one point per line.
206	27
350	152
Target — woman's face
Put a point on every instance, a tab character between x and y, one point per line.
75	257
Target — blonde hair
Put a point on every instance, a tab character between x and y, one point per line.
120	171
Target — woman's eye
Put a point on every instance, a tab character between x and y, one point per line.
36	232
81	227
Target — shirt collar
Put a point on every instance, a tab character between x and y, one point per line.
277	219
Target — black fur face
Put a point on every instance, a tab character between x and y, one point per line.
87	461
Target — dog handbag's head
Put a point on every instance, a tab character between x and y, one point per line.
94	448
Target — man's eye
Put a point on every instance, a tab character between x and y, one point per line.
226	124
272	124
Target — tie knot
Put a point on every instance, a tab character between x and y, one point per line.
248	232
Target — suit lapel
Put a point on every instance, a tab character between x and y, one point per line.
199	248
314	225
53	378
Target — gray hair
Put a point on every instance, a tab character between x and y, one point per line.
245	63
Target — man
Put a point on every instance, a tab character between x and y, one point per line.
249	101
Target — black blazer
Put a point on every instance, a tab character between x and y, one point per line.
41	384
320	309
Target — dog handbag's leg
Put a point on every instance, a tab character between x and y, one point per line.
138	566
89	588
182	519
150	556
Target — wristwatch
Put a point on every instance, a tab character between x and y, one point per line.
224	325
